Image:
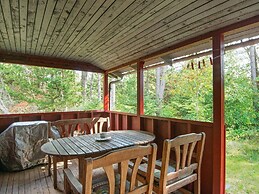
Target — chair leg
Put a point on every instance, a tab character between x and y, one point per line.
197	187
55	172
65	163
67	188
49	165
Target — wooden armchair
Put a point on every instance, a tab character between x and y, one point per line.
115	184
171	175
66	128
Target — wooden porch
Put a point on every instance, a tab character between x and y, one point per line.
113	37
162	128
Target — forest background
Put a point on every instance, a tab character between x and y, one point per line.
181	91
178	91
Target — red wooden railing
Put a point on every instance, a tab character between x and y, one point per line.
163	128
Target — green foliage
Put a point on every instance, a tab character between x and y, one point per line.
126	94
46	88
188	94
240	114
93	104
58	89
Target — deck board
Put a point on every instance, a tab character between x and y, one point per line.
33	180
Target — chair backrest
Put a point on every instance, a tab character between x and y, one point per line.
122	158
188	151
67	127
99	123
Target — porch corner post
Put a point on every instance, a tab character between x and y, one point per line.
106	97
140	88
219	136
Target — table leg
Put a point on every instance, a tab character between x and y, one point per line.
55	172
49	165
81	169
65	163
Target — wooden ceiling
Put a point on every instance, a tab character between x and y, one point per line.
103	34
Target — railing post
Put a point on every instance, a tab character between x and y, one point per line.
219	136
106	97
140	88
140	92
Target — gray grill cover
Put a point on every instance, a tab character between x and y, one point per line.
20	145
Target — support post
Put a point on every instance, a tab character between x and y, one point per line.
106	97
140	88
219	136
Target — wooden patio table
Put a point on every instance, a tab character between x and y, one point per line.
88	145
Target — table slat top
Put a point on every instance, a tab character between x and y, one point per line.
86	145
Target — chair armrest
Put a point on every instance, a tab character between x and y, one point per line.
71	182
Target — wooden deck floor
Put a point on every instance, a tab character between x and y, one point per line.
36	180
33	180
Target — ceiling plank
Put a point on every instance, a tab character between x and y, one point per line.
157	20
59	8
2	44
93	23
141	20
67	12
14	7
23	28
48	15
41	6
31	17
75	16
6	10
47	62
83	24
3	31
110	14
135	9
141	13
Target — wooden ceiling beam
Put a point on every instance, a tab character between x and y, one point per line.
194	56
44	61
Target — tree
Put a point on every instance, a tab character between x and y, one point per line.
45	88
254	77
5	99
84	84
126	94
239	111
160	87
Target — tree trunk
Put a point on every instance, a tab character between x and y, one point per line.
3	108
5	98
253	65
112	97
91	85
147	82
160	87
84	84
99	87
254	76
